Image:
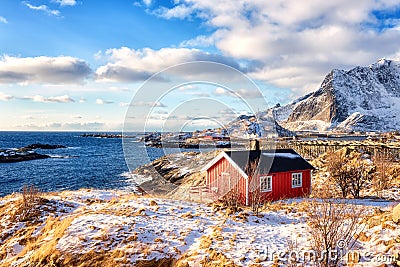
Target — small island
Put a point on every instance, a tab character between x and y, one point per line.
43	146
25	153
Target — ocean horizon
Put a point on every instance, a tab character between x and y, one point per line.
86	162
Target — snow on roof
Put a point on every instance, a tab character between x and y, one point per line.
283	155
271	161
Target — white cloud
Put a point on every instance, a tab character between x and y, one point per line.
146	104
53	70
180	11
123	104
186	87
228	112
28	117
60	99
147	2
119	89
127	64
82	100
43	8
103	102
200	94
84	126
143	104
5	97
220	91
244	93
161	112
66	2
51	99
3	20
297	42
199	41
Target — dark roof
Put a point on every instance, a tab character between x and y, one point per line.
270	161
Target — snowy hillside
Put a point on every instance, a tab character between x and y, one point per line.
114	228
361	99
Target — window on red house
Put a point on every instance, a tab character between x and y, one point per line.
265	183
297	179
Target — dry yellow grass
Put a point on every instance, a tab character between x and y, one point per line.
205	242
126	244
92	258
153	203
216	259
187	215
47	252
140	212
166	262
39	238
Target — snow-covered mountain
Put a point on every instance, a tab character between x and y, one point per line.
253	126
360	99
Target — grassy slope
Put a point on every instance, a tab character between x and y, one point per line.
109	228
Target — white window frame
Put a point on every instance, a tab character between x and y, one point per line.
297	179
268	179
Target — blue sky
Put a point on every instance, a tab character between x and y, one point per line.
86	28
76	65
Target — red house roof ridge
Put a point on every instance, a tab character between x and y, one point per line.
269	161
221	155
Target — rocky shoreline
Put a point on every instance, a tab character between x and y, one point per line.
106	135
173	175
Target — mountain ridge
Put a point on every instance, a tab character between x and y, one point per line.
359	99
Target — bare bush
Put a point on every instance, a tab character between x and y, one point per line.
387	171
333	228
325	189
231	199
360	171
253	171
31	197
334	166
350	170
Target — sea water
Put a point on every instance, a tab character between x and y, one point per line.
86	162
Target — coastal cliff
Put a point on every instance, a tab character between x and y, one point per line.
172	175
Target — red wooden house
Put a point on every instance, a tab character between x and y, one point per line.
262	174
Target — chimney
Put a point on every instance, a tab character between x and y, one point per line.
254	144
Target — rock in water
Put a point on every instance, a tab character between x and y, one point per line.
44	146
21	157
396	214
25	153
